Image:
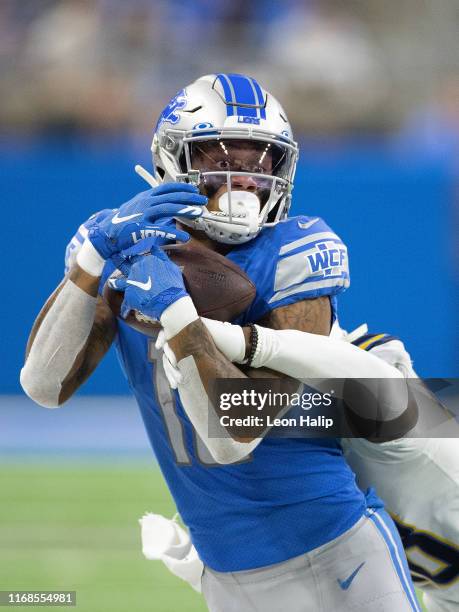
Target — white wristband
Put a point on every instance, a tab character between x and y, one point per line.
89	259
228	338
177	316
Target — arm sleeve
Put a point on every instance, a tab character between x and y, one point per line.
62	333
61	336
196	403
317	359
307	357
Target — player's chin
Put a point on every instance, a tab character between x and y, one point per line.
213	197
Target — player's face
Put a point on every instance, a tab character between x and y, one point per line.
233	155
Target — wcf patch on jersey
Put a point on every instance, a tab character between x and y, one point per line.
320	263
327	257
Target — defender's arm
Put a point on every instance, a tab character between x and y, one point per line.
290	349
312	316
315	359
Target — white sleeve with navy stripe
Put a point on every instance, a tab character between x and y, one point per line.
297	259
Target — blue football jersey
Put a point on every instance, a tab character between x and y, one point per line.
297	259
291	495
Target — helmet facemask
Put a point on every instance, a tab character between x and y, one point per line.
247	180
229	136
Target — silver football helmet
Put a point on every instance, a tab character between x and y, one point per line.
231	138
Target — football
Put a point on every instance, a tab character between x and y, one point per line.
218	287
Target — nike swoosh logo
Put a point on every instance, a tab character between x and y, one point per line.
345	584
307	224
117	219
145	286
192	210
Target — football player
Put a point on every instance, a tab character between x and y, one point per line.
418	478
277	522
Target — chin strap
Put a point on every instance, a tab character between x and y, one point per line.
149	178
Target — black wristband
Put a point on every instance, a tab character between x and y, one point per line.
253	343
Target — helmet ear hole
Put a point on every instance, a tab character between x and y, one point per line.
182	161
272	214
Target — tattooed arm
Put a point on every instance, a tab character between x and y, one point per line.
312	316
201	362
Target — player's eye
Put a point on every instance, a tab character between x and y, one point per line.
223	165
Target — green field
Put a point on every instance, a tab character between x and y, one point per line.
75	528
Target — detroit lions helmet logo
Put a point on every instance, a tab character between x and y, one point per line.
169	114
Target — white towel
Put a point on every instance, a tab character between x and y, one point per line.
165	540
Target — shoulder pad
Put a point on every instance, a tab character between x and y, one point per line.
370	341
297	259
390	349
312	261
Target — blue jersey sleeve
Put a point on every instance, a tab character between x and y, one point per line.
297	259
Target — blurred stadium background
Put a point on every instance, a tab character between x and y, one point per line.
372	91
